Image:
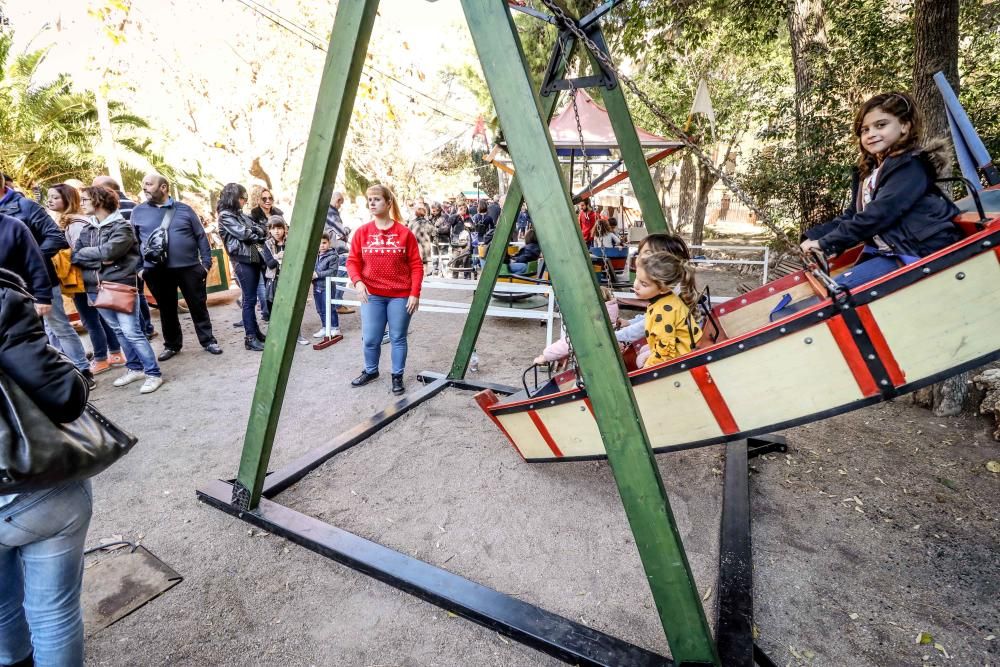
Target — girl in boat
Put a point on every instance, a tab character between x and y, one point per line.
896	208
667	281
630	331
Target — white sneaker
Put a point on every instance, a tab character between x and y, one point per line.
320	334
151	384
129	377
334	332
303	341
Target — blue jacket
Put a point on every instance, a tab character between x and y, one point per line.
48	236
907	211
187	243
20	254
326	265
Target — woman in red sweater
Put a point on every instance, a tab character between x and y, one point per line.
385	267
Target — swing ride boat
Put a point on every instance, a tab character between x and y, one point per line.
913	327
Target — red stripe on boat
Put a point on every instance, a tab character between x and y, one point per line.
590	407
896	374
713	397
852	355
486	399
546	436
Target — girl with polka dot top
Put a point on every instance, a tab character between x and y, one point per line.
667	281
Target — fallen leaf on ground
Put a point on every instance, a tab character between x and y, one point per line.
993	466
853	616
925	638
939	646
707	594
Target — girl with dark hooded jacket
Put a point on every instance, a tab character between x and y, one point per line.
896	208
108	251
42	533
244	238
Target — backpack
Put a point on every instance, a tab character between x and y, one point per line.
154	250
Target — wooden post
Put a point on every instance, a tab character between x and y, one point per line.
619	421
497	249
352	29
630	147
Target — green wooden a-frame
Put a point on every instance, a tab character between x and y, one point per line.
539	179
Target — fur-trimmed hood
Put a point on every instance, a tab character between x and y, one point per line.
938	153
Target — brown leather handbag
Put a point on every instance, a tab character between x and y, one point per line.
117	297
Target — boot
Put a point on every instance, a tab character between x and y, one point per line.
364	378
261	337
251	343
397	384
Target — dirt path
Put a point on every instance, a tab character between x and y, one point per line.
915	552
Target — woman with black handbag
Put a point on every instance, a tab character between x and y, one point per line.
244	240
42	532
108	251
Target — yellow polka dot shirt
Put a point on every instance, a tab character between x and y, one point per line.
670	332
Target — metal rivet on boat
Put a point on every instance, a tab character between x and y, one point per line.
796	279
552	402
874	293
782	329
722	310
871	357
885	383
583	408
743	301
740	346
708	358
809	341
531	407
926	269
858	331
819	314
986	244
656	375
770	289
960	275
677	384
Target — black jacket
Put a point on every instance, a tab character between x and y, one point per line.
907	211
19	253
48	236
242	235
258	215
529	253
48	377
109	252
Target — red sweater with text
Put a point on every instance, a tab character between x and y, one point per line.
387	262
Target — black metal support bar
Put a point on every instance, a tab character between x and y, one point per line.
765	444
542	630
534	12
734	631
467	384
596	15
281	479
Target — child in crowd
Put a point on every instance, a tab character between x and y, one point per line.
630	331
558	352
327	263
273	252
896	208
606	235
667	281
529	253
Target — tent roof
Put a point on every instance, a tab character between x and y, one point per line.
597	130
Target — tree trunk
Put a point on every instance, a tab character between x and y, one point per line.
686	197
706	181
807	32
935	49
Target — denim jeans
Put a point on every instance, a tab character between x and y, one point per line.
375	314
139	355
520	268
319	298
58	324
250	276
873	268
102	336
265	312
42	538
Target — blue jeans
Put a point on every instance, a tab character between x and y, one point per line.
375	314
145	317
871	269
42	538
250	276
69	342
139	355
265	312
319	298
519	268
102	336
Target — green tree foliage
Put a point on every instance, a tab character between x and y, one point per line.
50	131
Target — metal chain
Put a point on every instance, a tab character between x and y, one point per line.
579	131
709	165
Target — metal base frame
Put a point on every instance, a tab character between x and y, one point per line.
528	624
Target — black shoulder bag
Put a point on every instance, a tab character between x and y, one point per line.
154	250
37	453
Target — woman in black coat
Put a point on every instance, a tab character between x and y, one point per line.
244	239
42	533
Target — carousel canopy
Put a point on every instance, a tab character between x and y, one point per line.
597	131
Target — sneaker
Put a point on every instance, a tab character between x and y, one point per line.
98	366
364	378
334	332
320	334
303	341
129	377
116	359
397	384
151	384
385	338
